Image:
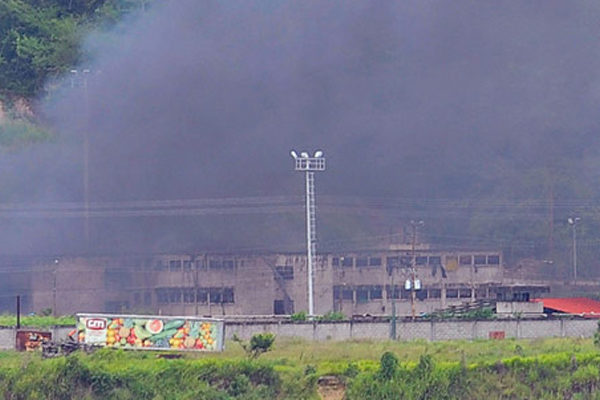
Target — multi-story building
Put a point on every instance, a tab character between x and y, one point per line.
365	282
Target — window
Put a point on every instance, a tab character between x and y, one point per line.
187	265
174	295
228	264
362	294
435	260
376	292
347	294
162	296
347	261
452	293
464	293
480	293
278	307
434	293
175	265
335	262
228	295
493	260
199	264
202	296
405	261
216	295
362	261
147	298
189	295
393	262
136	298
479	260
421	260
465	260
392	293
284	272
421	295
215	264
375	261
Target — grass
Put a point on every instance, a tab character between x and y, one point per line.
37	321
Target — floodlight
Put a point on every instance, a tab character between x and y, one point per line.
294	154
304	154
318	153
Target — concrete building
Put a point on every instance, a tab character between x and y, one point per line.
365	282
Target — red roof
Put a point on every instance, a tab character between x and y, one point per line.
573	305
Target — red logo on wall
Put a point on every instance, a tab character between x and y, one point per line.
95	324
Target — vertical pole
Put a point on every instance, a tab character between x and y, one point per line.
575	252
393	289
54	293
309	237
412	273
86	162
18	312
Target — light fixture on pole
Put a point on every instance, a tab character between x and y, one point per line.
310	165
415	284
573	221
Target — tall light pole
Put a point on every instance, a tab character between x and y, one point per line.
310	165
573	221
413	267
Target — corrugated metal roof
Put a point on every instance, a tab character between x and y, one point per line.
573	305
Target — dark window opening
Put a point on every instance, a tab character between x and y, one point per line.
216	295
174	295
335	262
278	307
228	264
347	294
465	260
175	265
347	261
493	260
480	293
215	264
479	260
421	295
202	296
464	293
405	261
162	296
187	265
375	261
434	293
228	295
376	292
392	293
392	262
405	294
435	260
199	264
362	261
452	293
189	295
362	294
421	260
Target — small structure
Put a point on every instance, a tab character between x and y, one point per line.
581	306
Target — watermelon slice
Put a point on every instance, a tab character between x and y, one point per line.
154	326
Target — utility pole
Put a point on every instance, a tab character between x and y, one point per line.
573	221
391	268
413	272
310	165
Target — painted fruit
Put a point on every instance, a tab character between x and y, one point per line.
155	326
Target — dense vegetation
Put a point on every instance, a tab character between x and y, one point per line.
510	369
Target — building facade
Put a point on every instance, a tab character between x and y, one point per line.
366	282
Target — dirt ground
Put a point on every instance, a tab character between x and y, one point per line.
331	388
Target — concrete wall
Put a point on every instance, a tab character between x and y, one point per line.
406	330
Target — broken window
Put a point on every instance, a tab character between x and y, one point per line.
362	294
493	260
375	261
435	260
465	260
162	296
376	292
174	295
189	295
479	260
202	296
347	293
421	260
362	261
216	295
347	261
175	265
228	295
